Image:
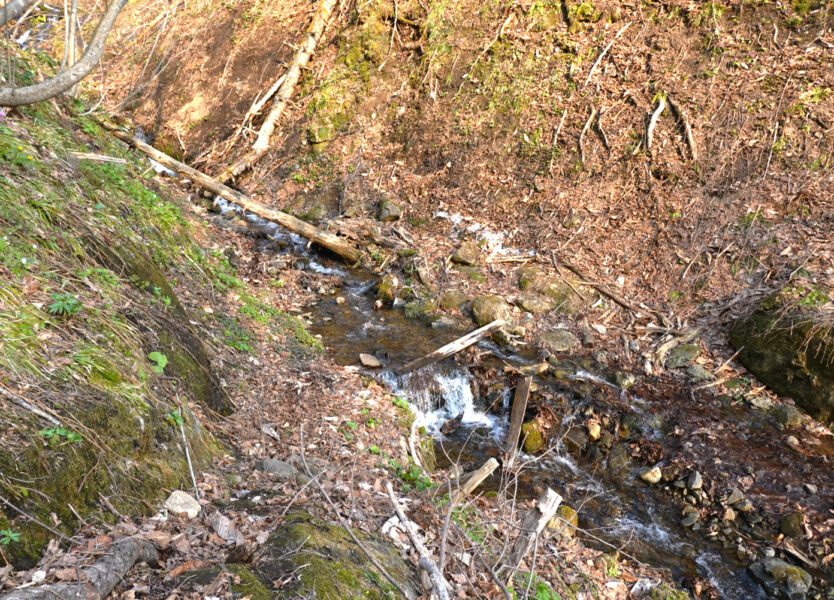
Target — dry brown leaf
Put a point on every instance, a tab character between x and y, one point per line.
190	565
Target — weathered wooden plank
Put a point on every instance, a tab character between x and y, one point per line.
522	393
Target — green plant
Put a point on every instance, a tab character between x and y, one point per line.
374	449
7	536
399	402
539	588
63	305
54	434
159	360
174	418
373	422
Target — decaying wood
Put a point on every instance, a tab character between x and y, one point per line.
533	524
98	580
474	480
439	584
522	393
98	157
322	238
604	52
687	129
451	348
284	92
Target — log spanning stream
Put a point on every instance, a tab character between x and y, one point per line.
616	509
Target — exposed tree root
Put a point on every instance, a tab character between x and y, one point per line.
687	129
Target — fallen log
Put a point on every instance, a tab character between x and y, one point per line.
522	393
474	480
284	92
451	348
322	238
532	525
98	580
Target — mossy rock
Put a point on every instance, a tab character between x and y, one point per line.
472	273
791	351
781	579
486	309
420	309
533	437
451	299
564	522
466	254
328	563
682	356
536	303
386	290
563	298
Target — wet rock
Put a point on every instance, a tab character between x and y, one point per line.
618	459
536	303
388	211
699	374
575	440
690	518
486	309
744	506
735	496
564	522
782	579
558	340
629	426
653	475
180	502
788	416
445	322
624	380
681	356
386	289
369	360
533	437
792	525
466	254
451	299
784	346
695	481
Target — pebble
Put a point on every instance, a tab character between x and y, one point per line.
594	431
690	519
369	360
729	515
768	552
792	440
810	488
695	481
652	475
735	496
340	300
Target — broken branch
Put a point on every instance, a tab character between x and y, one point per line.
604	52
451	348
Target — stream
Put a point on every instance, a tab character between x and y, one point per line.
615	508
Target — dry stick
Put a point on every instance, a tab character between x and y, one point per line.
583	132
30	407
98	580
532	525
188	457
451	348
727	362
438	582
661	106
522	393
687	129
34	520
604	52
352	535
328	240
284	93
474	480
601	288
601	131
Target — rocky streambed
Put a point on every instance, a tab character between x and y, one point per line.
732	499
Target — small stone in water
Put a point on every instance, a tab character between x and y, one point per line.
652	475
369	360
340	300
594	430
690	519
695	481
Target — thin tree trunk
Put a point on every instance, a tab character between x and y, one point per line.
18	96
284	93
13	9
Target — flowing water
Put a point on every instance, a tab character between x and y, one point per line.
616	509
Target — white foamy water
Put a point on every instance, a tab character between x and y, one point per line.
436	396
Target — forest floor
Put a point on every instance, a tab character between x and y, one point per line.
479	124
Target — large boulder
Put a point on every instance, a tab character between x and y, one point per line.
564	299
787	345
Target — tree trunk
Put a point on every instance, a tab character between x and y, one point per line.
284	93
13	9
328	240
19	96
